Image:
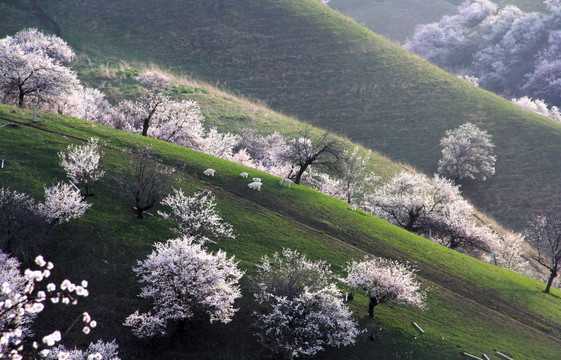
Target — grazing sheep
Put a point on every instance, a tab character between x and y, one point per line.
209	172
286	182
257	180
244	175
255	186
353	207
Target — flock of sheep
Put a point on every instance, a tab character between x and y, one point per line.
256	184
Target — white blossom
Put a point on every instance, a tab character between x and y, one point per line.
81	163
62	203
196	216
31	65
467	153
384	281
180	276
302	313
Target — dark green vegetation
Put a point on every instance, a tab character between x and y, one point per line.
304	59
473	306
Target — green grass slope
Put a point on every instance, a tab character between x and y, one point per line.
305	59
472	306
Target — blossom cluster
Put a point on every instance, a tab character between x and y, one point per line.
22	297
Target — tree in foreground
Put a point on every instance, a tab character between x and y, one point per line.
147	180
544	232
196	216
384	281
81	163
22	297
301	313
32	66
182	278
305	151
467	152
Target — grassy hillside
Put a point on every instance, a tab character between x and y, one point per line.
304	59
473	306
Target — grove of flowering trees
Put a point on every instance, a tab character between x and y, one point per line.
301	313
511	52
384	281
182	278
467	152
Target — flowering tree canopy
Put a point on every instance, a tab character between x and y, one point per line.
81	163
384	281
305	151
302	313
62	203
508	252
354	175
544	232
32	65
181	278
467	152
196	216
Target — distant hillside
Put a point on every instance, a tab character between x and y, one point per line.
304	59
472	306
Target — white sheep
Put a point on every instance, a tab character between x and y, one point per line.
353	207
209	172
286	182
257	180
255	186
244	175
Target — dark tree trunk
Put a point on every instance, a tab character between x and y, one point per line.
300	173
21	96
145	126
371	305
552	276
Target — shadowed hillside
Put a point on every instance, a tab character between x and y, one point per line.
304	59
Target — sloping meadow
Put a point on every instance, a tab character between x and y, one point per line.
472	306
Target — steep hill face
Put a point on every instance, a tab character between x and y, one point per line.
304	59
472	306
